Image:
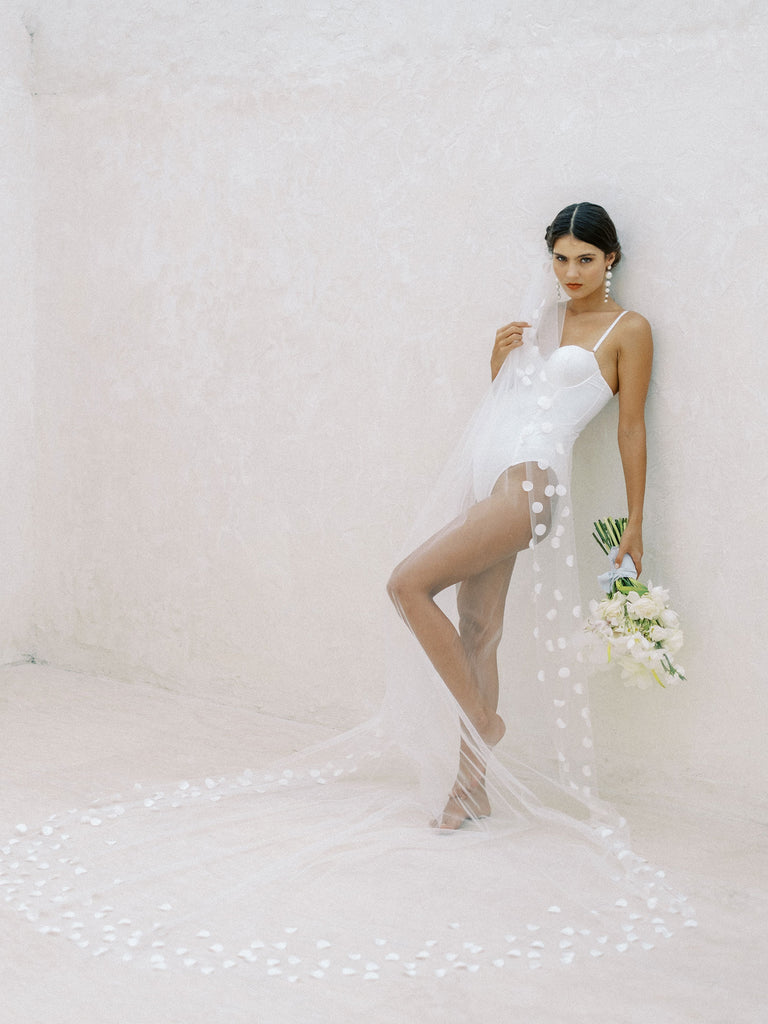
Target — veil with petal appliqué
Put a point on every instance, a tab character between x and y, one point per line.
327	864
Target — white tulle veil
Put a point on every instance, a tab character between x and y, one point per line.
327	864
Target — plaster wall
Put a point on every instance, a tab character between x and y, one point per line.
275	243
17	317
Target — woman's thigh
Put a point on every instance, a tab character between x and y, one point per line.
491	532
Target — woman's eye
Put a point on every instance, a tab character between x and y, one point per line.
586	259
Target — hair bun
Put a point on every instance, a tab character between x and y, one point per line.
588	222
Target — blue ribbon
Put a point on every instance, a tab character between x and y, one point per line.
625	571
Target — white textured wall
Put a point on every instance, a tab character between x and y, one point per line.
17	318
276	240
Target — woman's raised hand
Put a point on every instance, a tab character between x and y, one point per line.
507	338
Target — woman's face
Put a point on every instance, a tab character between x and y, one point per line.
579	267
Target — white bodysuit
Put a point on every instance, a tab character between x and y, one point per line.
547	403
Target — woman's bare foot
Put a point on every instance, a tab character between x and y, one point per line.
469	798
464	803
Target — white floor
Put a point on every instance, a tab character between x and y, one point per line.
66	737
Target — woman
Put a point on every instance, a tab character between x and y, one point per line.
520	465
320	866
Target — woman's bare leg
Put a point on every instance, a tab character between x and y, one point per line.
491	533
481	601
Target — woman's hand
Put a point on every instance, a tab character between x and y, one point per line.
632	545
507	338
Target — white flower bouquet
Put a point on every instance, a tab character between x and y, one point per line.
638	629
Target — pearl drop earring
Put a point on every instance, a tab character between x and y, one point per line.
608	276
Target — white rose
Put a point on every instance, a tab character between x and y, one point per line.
674	641
636	675
642	606
669	618
659	634
613	609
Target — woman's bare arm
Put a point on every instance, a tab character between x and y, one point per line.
635	357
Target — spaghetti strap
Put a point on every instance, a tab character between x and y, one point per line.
605	335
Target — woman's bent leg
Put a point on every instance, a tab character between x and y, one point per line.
481	601
491	533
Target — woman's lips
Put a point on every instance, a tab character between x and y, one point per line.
573	287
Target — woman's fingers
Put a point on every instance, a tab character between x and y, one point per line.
507	338
516	327
634	553
511	335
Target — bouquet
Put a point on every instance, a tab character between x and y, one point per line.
635	622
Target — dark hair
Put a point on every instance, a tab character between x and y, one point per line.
587	222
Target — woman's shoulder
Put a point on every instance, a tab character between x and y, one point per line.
634	346
631	318
633	327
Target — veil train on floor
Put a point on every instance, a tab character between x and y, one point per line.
326	864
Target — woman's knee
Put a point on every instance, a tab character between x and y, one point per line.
397	585
404	589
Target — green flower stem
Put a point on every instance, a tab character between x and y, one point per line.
630	586
608	533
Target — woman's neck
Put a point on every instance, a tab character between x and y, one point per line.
591	304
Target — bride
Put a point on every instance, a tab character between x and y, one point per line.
519	463
322	865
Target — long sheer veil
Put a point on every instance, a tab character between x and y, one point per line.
326	864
